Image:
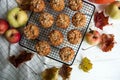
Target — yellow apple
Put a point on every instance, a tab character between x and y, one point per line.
113	10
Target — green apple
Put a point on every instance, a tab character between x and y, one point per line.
113	10
17	17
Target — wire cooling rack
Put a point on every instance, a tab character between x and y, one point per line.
87	9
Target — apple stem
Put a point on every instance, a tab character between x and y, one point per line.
88	47
118	7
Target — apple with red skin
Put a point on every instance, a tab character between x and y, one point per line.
13	35
3	26
93	37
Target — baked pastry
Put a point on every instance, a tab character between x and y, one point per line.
37	5
50	74
55	37
74	36
75	5
46	19
31	31
66	54
57	5
79	19
24	4
63	21
43	48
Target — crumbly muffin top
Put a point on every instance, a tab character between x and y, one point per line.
31	31
79	19
55	37
46	19
43	48
57	5
63	20
66	54
75	4
37	5
74	36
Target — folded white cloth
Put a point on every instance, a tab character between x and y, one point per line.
26	71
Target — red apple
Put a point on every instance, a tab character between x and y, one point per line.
3	26
13	35
93	37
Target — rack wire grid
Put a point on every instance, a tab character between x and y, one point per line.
87	9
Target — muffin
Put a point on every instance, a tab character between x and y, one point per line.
57	5
31	31
55	37
63	21
79	19
66	54
46	20
43	48
75	5
74	36
37	5
24	4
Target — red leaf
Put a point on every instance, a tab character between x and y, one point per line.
107	42
100	20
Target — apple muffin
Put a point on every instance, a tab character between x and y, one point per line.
31	31
37	5
46	20
66	54
57	5
55	37
75	5
74	36
43	48
63	21
79	20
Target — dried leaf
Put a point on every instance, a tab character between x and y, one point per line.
50	74
100	20
21	58
85	64
65	71
107	42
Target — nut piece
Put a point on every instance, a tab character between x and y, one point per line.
31	31
66	54
43	48
74	36
55	37
37	5
79	19
63	21
46	20
75	5
57	5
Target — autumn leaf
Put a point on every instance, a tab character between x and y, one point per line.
50	74
107	42
65	71
100	20
21	58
